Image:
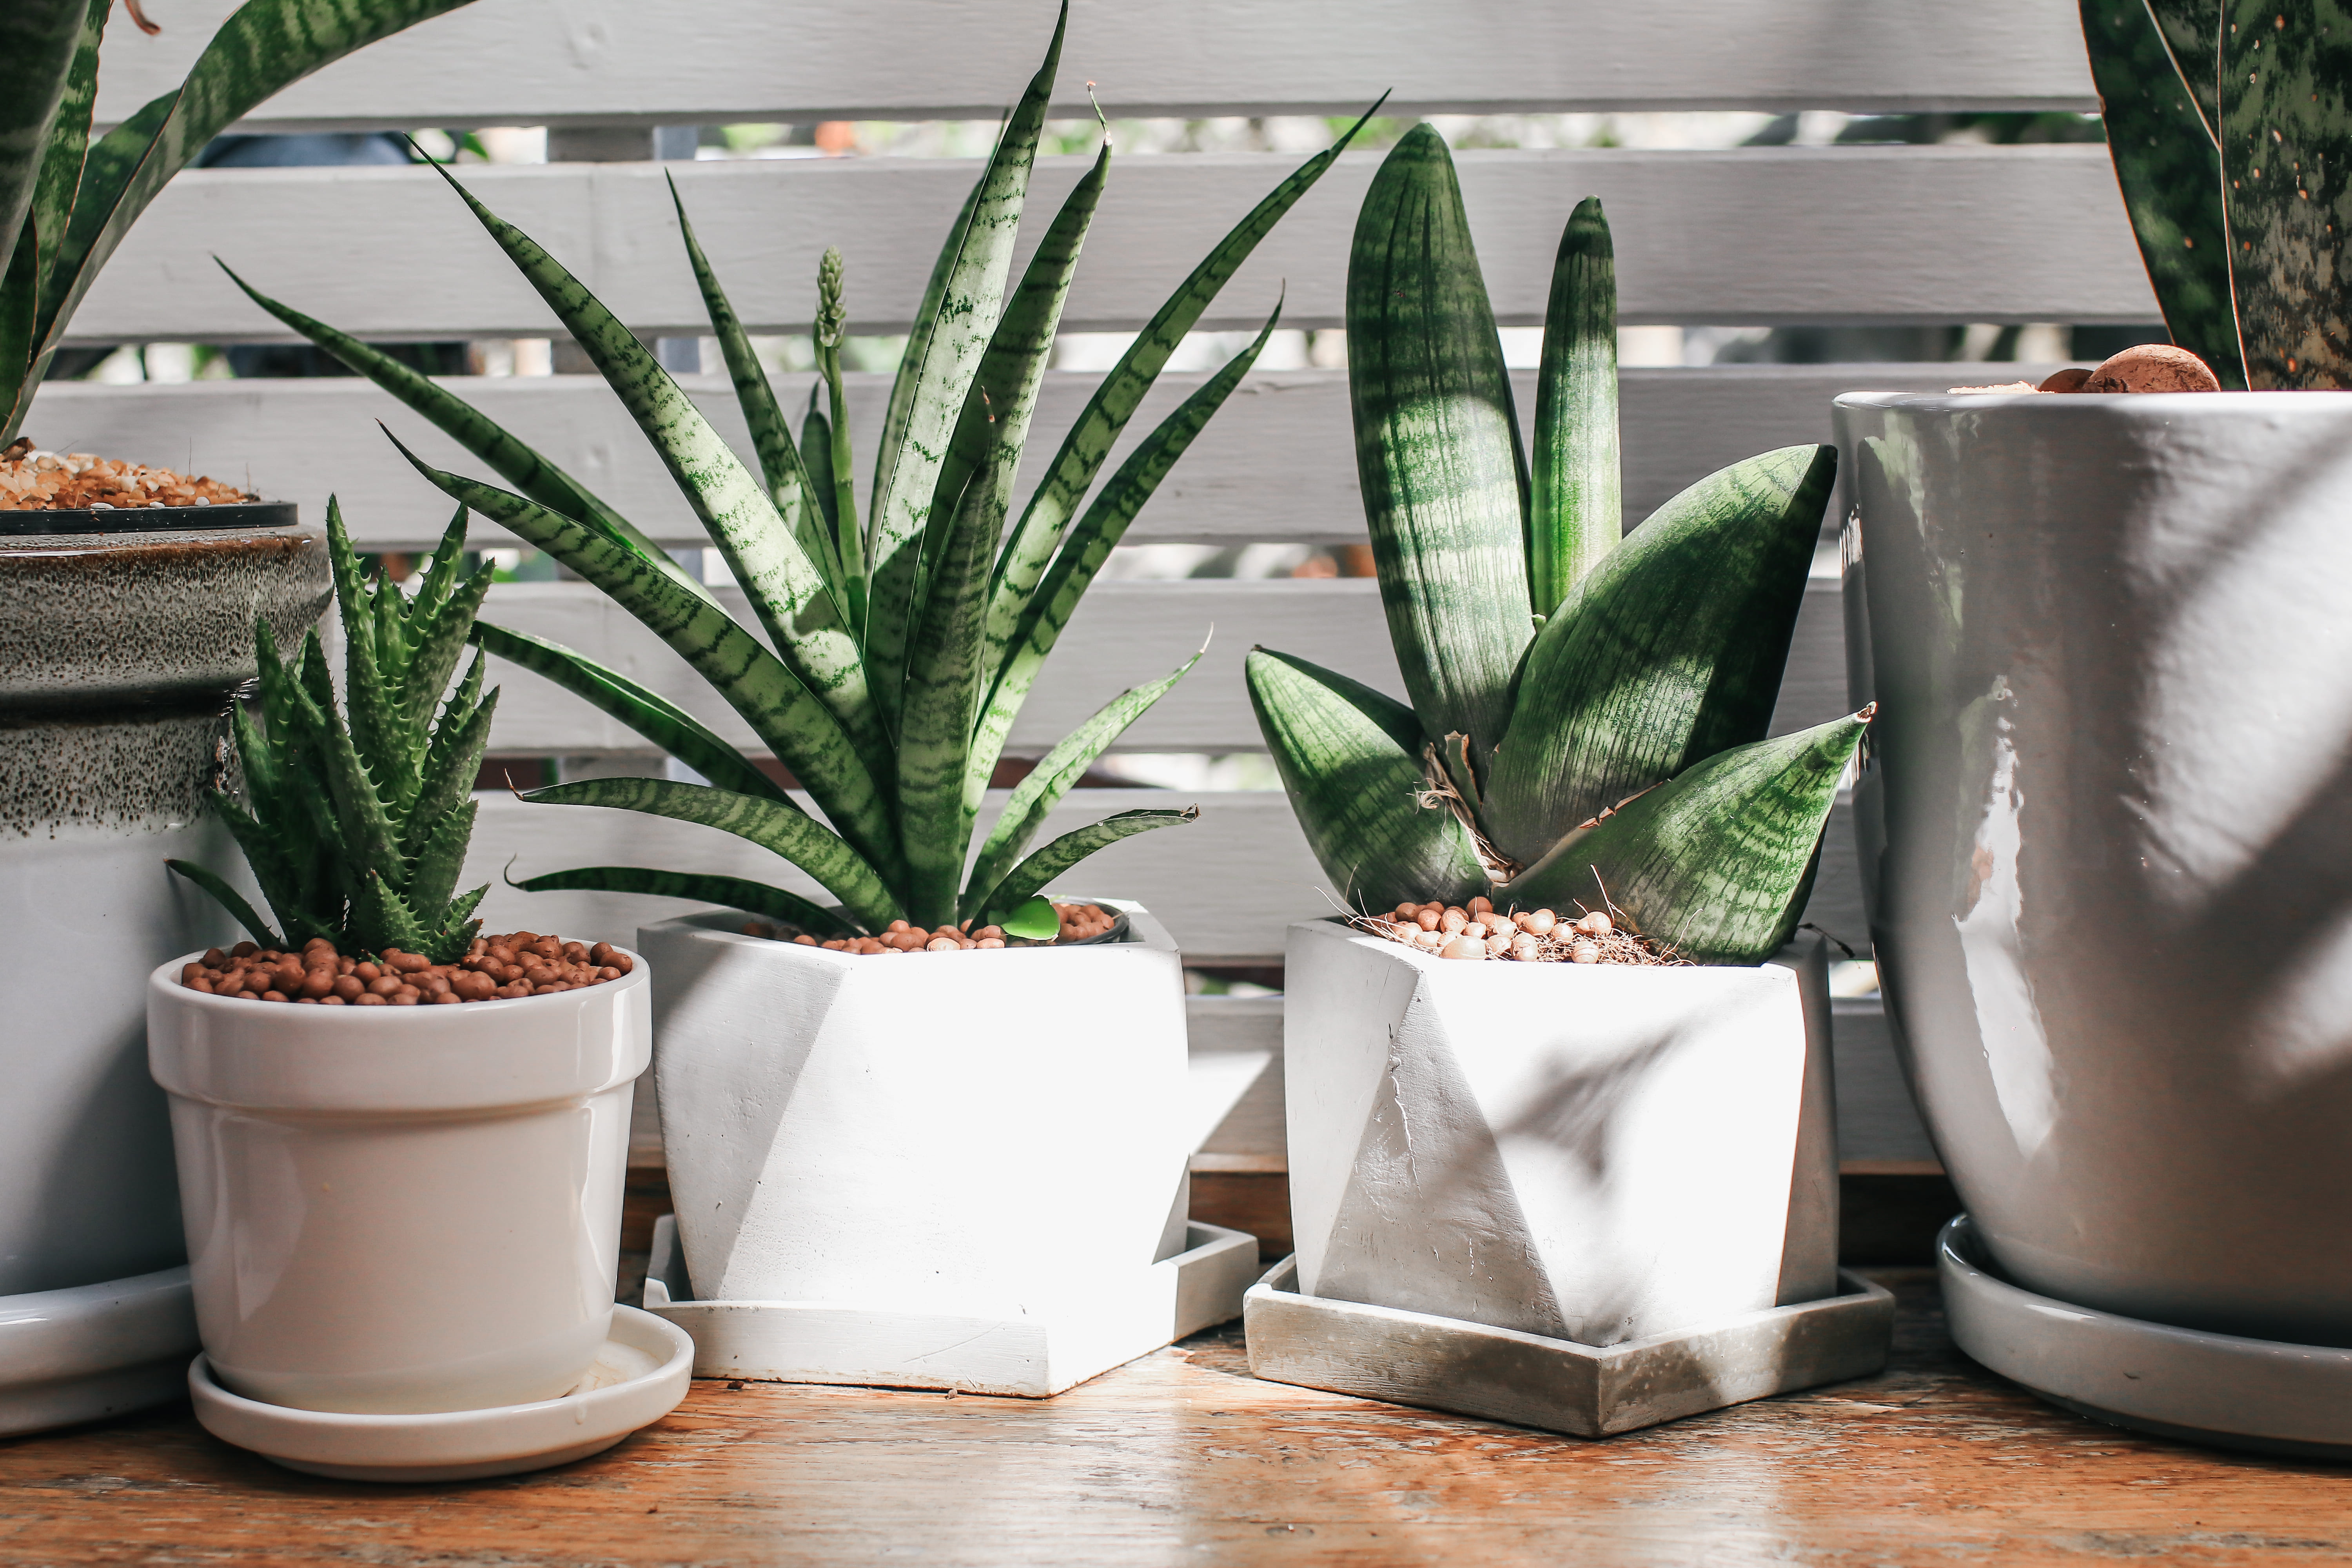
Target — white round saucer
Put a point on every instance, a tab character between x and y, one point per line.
2222	1389
89	1351
637	1379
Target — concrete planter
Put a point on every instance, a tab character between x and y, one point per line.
1591	1154
394	1210
117	656
983	1136
2107	826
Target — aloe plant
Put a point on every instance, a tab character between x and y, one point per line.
900	644
2229	125
1588	714
356	821
66	204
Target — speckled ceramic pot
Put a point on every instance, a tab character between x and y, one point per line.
2106	823
117	656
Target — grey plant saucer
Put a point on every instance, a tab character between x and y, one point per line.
2221	1389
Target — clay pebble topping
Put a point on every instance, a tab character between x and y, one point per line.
1478	930
2144	367
35	480
1080	921
494	969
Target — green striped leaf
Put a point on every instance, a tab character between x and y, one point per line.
728	892
1035	797
1669	652
1089	546
265	45
2157	87
651	715
772	432
944	683
789	721
1437	446
40	43
513	461
1349	758
847	534
778	828
1715	863
1089	442
1576	513
1037	872
918	351
785	587
952	343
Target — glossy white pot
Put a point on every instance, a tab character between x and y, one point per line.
980	1134
1596	1154
394	1210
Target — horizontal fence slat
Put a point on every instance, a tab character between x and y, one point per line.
1744	236
1278	464
1226	885
1124	634
529	62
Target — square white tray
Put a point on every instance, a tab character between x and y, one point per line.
1061	1343
1468	1369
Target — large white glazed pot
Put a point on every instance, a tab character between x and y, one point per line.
2106	822
980	1134
401	1209
1593	1154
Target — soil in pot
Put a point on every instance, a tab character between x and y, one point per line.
32	479
1479	931
1079	922
494	969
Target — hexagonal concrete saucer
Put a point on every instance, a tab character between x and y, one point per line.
1586	1391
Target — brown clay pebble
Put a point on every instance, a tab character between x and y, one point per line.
1464	947
2153	367
2071	379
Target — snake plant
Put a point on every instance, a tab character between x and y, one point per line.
901	644
360	819
2231	128
65	204
1588	714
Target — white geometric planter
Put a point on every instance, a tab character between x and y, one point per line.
985	1135
1589	1153
396	1210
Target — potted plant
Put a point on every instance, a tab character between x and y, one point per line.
127	596
401	1142
1585	1153
990	1139
2101	819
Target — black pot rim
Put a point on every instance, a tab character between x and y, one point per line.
147	519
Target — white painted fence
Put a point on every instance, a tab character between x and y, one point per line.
1821	236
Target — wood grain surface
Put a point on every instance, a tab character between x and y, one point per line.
1183	1457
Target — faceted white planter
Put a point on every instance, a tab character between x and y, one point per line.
392	1210
988	1137
1596	1155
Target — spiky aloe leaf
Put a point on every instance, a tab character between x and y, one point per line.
837	867
1576	514
2286	188
1033	875
440	861
1711	864
263	47
513	461
440	575
232	901
1350	760
952	344
380	730
451	766
1089	545
943	686
1035	797
755	683
1669	652
786	588
730	893
655	717
1437	446
1098	426
382	918
2157	86
438	641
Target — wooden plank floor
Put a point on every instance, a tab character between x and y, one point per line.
1183	1457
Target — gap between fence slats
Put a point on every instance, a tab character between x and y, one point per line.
1745	236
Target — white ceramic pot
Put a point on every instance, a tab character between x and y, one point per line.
1594	1154
394	1210
974	1134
